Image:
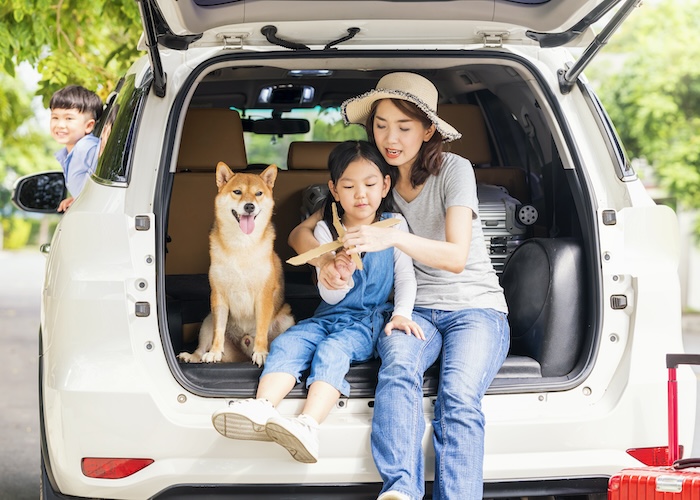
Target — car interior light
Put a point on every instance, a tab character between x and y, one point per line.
310	72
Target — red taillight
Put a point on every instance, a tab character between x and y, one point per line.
657	456
113	468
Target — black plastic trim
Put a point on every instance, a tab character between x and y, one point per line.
366	491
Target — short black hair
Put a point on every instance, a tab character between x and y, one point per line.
77	97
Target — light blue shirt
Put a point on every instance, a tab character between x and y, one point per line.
80	163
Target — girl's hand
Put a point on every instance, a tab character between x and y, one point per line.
368	239
344	265
328	274
408	326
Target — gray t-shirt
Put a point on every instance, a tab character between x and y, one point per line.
475	287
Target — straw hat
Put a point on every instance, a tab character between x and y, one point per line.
407	86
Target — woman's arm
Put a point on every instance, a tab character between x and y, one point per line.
301	238
449	255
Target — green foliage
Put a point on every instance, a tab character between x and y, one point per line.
24	148
86	42
16	231
652	92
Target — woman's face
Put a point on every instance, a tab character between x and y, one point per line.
398	136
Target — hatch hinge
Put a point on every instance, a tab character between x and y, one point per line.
232	41
493	39
569	75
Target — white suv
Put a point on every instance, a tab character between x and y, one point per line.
587	260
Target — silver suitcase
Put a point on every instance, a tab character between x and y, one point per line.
504	222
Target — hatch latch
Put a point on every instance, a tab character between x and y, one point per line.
232	40
493	39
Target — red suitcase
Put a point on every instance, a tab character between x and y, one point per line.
678	481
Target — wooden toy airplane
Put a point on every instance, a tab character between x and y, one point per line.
337	244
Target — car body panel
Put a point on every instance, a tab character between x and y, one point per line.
185	18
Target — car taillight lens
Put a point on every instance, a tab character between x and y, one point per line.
113	468
657	456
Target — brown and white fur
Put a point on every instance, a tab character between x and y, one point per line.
247	284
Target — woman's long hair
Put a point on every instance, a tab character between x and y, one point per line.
343	155
429	158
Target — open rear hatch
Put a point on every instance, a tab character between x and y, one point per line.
551	23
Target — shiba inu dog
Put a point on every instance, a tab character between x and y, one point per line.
245	274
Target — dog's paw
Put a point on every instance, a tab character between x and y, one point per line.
212	357
259	358
184	357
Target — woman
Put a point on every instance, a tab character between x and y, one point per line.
459	303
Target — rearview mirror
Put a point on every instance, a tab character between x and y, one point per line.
41	192
277	126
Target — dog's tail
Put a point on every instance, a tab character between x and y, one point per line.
281	322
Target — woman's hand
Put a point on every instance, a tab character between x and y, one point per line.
368	239
406	325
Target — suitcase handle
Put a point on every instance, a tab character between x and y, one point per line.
672	362
686	463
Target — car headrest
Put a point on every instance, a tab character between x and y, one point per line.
309	155
210	136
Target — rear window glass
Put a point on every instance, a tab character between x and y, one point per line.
325	124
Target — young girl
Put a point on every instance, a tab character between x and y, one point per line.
344	328
459	304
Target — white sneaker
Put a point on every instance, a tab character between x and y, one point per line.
393	495
299	436
245	419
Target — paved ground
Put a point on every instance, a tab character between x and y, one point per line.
21	276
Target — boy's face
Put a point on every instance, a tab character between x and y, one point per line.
68	126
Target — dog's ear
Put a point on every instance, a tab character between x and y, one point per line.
223	174
269	175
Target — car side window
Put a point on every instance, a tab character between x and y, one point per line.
117	131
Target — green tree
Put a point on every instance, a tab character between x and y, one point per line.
650	85
86	42
24	148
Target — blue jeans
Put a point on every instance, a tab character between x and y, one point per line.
472	345
327	346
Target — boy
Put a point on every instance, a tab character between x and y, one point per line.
74	111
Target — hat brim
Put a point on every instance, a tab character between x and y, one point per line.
358	109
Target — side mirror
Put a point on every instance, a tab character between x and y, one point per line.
41	192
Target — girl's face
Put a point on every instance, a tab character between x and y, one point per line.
68	126
360	190
398	136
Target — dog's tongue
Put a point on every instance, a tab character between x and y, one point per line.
247	223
